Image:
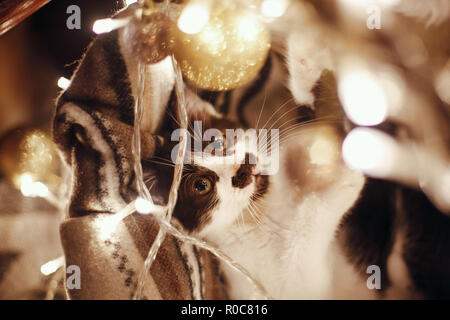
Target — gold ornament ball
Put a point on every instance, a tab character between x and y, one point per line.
28	151
229	50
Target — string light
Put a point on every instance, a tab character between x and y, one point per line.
193	17
370	151
108	25
219	45
52	266
107	224
363	98
144	206
379	155
259	291
63	83
30	188
274	8
177	175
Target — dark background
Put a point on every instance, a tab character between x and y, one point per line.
35	53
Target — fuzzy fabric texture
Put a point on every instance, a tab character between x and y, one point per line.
93	128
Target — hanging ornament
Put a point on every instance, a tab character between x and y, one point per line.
151	37
28	159
219	44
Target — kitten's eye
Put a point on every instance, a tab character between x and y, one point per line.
202	185
219	143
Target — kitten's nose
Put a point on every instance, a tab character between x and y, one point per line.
243	176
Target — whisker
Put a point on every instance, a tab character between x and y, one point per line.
296	125
284	114
160	162
279	108
272	225
262	108
262	221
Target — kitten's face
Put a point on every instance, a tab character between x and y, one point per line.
220	183
217	191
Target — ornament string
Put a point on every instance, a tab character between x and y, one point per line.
136	147
165	225
261	293
178	170
158	213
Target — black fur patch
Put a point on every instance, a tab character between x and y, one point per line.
368	231
193	209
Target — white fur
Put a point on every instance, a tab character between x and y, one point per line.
308	55
290	253
232	200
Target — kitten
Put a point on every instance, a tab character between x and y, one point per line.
312	230
279	227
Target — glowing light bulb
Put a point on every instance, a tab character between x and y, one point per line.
193	18
274	8
25	179
29	188
107	25
63	83
370	151
52	266
103	26
40	189
363	99
143	206
106	226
